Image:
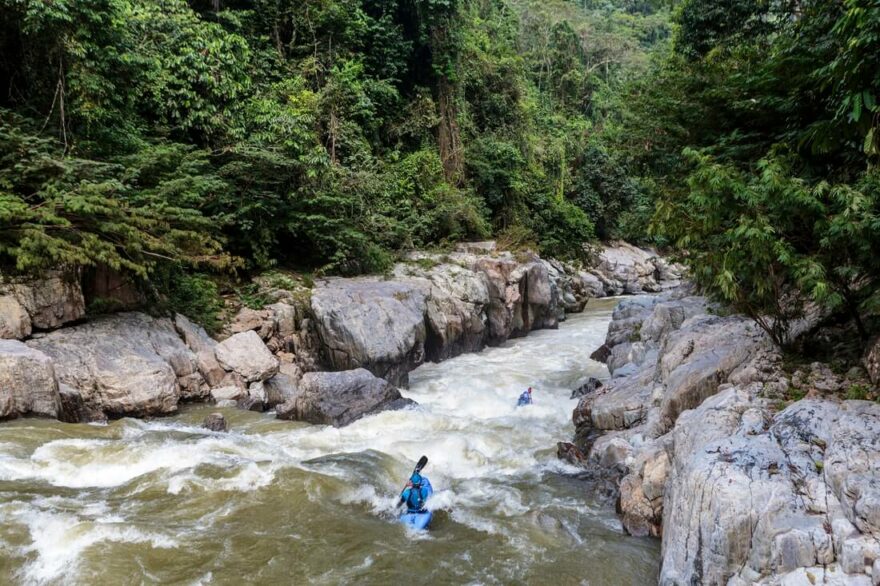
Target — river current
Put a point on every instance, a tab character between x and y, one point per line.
273	502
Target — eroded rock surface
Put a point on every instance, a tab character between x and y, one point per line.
125	364
27	382
741	492
38	304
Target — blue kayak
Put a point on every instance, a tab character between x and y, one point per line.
419	520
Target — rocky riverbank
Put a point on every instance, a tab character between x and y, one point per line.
743	485
57	362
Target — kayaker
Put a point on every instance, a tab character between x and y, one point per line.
416	493
525	398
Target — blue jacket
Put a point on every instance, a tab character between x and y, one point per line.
412	500
524	399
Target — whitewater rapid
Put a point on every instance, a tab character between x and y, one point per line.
166	501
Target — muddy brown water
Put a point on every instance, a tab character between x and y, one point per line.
166	502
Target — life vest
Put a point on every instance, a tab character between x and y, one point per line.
415	501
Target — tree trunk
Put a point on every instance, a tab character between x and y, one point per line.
448	133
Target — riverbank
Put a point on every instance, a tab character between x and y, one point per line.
432	307
712	447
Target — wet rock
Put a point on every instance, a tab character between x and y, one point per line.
589	387
570	453
247	355
124	364
279	389
215	422
73	409
601	354
27	382
339	398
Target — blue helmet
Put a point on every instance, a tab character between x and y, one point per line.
416	479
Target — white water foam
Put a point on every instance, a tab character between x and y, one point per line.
480	445
59	539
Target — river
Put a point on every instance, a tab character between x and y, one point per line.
272	502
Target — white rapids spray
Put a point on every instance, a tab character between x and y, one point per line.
170	501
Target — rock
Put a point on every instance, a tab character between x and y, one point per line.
209	367
215	422
15	323
698	358
589	387
256	398
257	320
742	494
487	246
772	508
247	355
280	389
456	306
195	336
624	268
590	285
871	360
127	364
601	354
73	409
570	453
45	303
227	394
198	340
339	398
823	380
376	325
27	382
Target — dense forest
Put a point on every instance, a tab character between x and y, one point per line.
175	140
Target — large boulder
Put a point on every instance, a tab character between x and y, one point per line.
624	268
125	364
246	355
371	324
38	304
521	296
339	398
27	382
456	299
757	498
